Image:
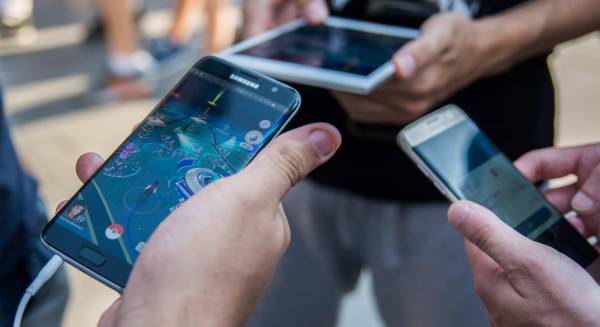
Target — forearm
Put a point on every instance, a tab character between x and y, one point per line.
532	28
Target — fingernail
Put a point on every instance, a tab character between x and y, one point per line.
407	64
322	142
582	202
458	213
315	12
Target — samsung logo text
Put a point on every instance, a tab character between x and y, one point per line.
244	81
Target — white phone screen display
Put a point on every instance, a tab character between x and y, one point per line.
474	169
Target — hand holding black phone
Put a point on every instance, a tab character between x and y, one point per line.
209	126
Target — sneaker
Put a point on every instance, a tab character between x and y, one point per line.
131	76
16	27
164	50
16	13
18	36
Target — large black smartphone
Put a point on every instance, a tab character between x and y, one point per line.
210	125
464	164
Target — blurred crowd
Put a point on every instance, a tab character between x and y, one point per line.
129	60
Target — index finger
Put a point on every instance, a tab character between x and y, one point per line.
549	163
87	165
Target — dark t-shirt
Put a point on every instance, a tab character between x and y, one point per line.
515	109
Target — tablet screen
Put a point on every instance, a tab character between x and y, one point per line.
333	48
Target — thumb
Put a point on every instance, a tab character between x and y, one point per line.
314	11
492	236
587	201
289	158
435	38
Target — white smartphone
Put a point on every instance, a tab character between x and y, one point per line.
341	54
463	163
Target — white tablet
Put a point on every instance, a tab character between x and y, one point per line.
342	54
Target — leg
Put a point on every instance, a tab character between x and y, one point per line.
220	27
421	274
306	288
181	31
126	61
119	22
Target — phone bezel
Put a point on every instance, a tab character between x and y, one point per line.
406	142
115	272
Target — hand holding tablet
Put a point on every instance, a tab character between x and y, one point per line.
341	54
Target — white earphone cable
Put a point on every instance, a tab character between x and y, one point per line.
43	276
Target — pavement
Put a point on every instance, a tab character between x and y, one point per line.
59	110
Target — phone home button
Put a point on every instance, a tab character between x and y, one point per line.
92	256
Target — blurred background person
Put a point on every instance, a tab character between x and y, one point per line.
218	14
370	207
130	65
127	63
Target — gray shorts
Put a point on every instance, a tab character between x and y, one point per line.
421	276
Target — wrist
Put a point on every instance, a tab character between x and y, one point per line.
197	299
494	52
183	307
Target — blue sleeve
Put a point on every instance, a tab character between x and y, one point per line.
18	200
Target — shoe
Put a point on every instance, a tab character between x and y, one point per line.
129	88
164	50
16	13
131	76
18	36
16	23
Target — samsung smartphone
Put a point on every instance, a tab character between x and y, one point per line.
210	125
464	164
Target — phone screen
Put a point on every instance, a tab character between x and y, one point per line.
330	47
207	127
473	168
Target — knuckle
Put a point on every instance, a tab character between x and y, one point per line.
291	160
527	267
481	286
221	189
422	87
424	51
226	192
482	236
419	107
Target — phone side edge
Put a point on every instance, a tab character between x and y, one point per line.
407	147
